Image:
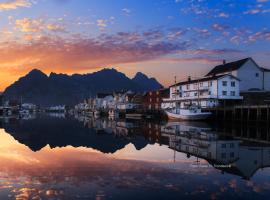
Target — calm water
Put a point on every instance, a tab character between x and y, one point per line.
53	157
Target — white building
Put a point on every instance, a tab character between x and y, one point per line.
205	92
252	76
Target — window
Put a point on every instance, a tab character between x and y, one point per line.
224	93
201	84
232	154
224	83
195	94
187	87
209	93
157	92
232	93
210	83
157	99
257	74
150	93
233	84
223	145
232	145
150	99
223	155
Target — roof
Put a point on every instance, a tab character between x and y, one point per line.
204	79
103	95
265	69
228	67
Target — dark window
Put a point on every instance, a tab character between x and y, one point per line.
257	74
224	83
232	93
233	84
232	154
223	145
223	155
232	145
224	93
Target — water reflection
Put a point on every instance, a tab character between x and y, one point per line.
85	158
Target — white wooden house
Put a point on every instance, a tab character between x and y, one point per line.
205	92
252	76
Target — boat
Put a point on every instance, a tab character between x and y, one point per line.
193	113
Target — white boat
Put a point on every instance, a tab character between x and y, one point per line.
191	113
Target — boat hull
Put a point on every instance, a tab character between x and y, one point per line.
188	117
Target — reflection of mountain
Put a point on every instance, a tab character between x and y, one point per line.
58	132
230	155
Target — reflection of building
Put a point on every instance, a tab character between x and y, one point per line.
242	158
201	142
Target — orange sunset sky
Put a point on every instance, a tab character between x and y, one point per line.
159	38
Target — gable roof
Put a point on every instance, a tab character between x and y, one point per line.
228	67
265	69
204	79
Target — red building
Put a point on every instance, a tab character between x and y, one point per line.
153	99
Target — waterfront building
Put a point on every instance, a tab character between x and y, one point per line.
252	76
153	99
204	92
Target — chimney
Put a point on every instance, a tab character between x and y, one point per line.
189	78
224	62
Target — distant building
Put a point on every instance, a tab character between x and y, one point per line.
153	99
208	91
252	76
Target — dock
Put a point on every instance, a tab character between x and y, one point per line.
257	113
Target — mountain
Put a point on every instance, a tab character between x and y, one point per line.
55	89
146	83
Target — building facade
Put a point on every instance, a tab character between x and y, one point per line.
153	99
252	76
204	92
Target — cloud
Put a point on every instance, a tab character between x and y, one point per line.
78	53
223	15
126	11
202	60
103	23
56	28
29	25
219	27
14	4
260	35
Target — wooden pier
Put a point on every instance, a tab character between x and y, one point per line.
258	113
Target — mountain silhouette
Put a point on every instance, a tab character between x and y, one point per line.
61	89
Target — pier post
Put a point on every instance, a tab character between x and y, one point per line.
248	114
267	113
258	113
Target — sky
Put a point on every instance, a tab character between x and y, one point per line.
161	38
